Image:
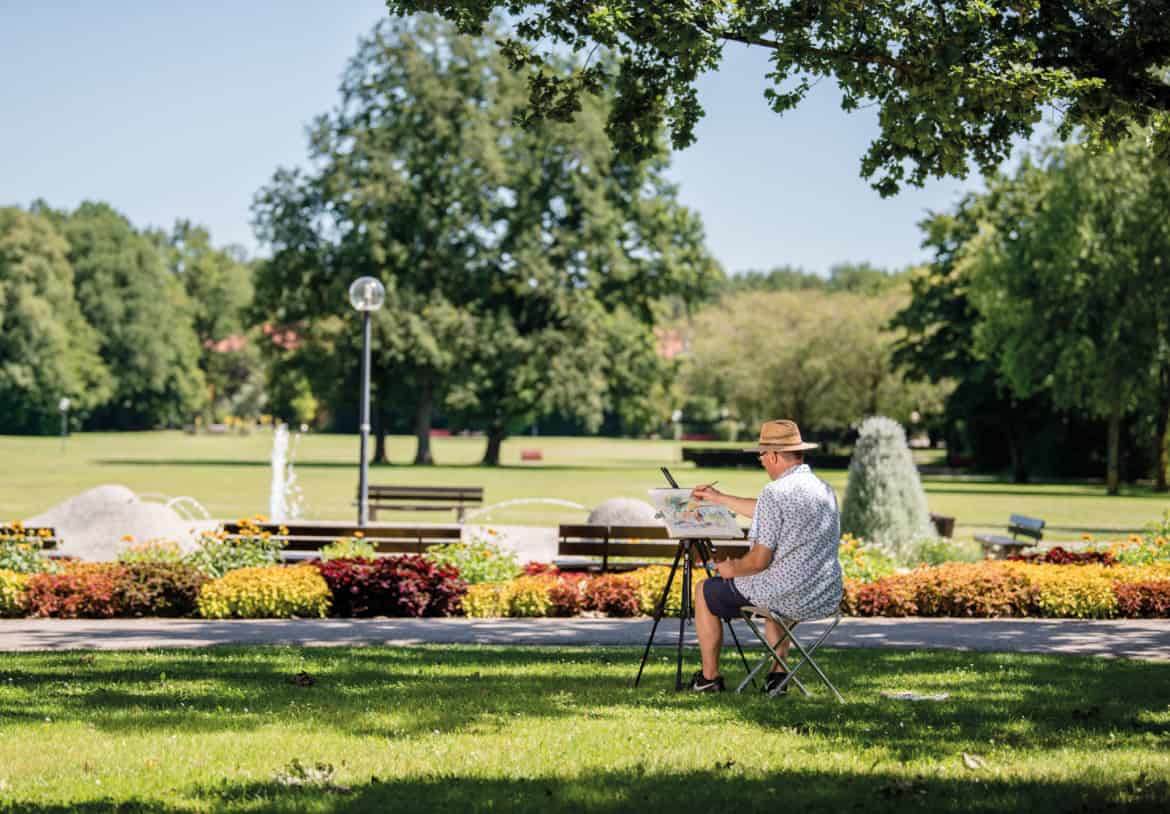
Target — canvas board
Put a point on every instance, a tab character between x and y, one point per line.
686	517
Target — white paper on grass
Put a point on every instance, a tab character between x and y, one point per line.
687	517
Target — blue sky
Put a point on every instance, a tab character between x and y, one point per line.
173	111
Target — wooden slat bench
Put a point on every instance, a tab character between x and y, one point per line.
650	544
301	536
45	535
424	499
997	546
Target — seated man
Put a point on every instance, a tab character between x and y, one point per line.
792	567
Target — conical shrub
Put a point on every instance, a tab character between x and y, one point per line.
884	501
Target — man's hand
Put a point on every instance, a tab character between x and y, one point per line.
725	568
706	492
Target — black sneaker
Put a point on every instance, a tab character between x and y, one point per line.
773	681
699	683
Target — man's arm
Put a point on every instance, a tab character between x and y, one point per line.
756	560
740	505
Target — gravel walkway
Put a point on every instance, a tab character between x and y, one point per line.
1147	639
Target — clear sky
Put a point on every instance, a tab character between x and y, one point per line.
171	110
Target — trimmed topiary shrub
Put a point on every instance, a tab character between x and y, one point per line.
884	500
13	593
274	591
393	586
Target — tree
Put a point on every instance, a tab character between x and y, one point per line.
142	318
955	81
481	230
218	284
1069	275
821	359
47	350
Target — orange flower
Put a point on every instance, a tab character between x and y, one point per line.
359	534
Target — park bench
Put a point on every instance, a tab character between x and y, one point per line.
424	499
46	536
998	546
581	545
301	536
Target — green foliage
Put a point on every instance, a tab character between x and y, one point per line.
1068	274
956	82
348	548
216	556
275	591
479	560
20	551
151	551
861	562
142	318
884	500
46	346
13	593
823	359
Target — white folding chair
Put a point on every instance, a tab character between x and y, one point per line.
752	615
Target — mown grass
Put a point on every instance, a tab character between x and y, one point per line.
230	476
525	729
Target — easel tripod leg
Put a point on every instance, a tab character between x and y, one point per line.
659	610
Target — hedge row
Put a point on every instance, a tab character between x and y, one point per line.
415	586
998	589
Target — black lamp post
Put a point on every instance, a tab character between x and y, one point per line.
366	295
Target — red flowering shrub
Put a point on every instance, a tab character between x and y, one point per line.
1059	556
81	590
534	569
566	596
393	586
1143	599
158	589
612	594
886	597
985	589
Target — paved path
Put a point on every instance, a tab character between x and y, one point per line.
1132	638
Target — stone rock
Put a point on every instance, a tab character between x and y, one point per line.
623	511
92	525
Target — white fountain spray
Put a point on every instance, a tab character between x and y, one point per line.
276	495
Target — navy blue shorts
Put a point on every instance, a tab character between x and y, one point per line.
723	598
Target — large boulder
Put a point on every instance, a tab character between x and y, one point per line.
94	524
624	511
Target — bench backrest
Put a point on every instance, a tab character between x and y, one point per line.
386	538
1033	527
584	540
46	536
458	494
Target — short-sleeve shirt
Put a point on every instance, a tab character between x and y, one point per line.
797	517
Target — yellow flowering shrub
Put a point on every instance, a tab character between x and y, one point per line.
487	600
1072	591
529	596
651	581
274	591
13	593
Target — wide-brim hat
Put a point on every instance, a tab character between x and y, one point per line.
781	436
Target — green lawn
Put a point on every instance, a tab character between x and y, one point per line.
230	475
527	729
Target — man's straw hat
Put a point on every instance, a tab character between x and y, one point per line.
781	436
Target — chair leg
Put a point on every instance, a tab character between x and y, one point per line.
806	655
773	655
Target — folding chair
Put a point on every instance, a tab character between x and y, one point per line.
752	614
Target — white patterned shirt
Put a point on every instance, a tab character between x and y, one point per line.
797	517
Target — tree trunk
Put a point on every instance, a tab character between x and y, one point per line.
1162	458
1113	471
423	410
495	437
380	456
1017	449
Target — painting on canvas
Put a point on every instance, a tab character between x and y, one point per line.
687	517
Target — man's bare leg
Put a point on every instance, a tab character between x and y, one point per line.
773	632
710	630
